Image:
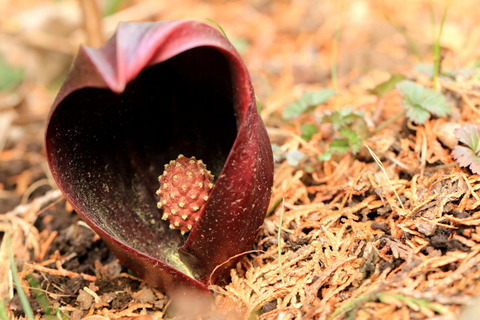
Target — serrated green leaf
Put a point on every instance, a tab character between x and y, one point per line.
354	140
435	103
341	117
468	155
313	98
339	146
309	100
308	130
383	88
421	102
349	134
465	157
293	110
417	114
469	134
410	91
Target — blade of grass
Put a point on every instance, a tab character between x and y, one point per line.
3	311
274	206
333	67
436	48
379	163
410	42
335	47
259	105
355	303
21	293
219	27
42	299
279	242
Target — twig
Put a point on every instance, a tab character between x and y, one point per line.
61	273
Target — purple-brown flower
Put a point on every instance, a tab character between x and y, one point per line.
153	92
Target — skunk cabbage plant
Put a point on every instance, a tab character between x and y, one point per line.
156	142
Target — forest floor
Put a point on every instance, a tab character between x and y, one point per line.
371	216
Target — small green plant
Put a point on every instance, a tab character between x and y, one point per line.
342	117
307	102
421	103
308	130
350	131
468	154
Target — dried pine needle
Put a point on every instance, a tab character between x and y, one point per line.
377	160
279	242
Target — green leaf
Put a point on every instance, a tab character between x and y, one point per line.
436	103
293	110
339	146
309	100
308	130
417	114
354	140
342	117
425	68
327	155
468	155
314	98
470	135
383	88
420	102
